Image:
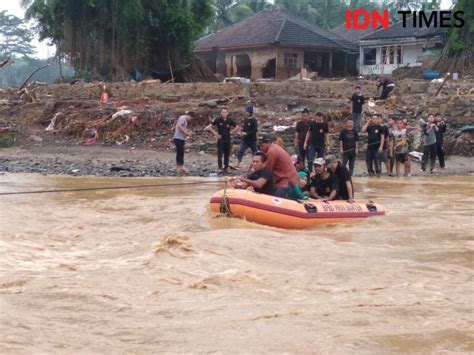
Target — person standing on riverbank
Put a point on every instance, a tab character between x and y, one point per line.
375	143
349	145
317	139
248	134
399	145
429	142
225	128
181	133
440	139
358	101
300	134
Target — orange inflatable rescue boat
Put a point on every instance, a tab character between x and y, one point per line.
283	213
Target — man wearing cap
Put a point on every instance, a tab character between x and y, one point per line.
316	138
225	127
248	134
346	189
279	161
300	133
325	184
181	133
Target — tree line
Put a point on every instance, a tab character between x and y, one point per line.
110	37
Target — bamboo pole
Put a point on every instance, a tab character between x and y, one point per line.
445	79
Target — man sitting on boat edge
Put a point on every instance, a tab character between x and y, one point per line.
279	161
261	179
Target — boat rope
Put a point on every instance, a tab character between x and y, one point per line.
224	206
107	188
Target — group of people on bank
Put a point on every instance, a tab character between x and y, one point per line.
311	172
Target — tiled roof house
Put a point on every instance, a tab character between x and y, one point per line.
274	44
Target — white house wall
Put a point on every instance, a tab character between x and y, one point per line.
411	52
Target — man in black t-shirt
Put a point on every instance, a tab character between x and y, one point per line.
261	179
386	155
358	101
316	139
349	145
375	143
325	184
440	139
346	189
225	127
248	134
300	134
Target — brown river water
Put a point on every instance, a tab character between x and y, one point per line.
151	270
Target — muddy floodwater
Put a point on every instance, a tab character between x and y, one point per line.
150	270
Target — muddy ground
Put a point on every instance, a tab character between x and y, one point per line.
117	161
134	128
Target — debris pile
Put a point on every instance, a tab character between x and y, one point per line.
143	114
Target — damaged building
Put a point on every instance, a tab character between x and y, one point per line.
384	50
276	45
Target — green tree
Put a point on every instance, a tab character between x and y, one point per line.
323	13
15	74
458	53
229	12
111	36
15	36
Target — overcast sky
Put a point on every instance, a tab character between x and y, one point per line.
44	51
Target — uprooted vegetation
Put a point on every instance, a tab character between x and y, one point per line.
143	114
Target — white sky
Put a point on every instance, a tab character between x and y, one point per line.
44	51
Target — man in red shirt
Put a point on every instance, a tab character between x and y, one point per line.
279	161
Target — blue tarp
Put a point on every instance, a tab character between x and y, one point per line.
156	73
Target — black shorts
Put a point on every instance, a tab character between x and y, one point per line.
401	157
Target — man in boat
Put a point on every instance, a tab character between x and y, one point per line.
225	128
181	133
346	188
279	161
261	179
325	185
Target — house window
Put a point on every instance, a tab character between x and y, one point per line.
290	60
391	55
370	55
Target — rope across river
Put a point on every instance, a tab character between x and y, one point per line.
107	188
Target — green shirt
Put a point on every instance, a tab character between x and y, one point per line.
297	194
